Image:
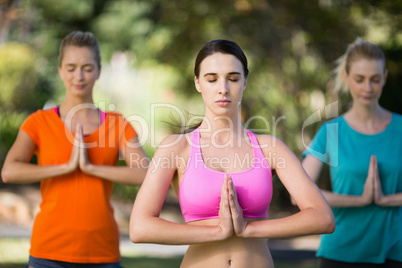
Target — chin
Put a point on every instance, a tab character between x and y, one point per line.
369	103
81	91
226	112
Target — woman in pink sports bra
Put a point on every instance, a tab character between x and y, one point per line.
224	178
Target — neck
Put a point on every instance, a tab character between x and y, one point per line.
367	113
72	101
224	124
78	106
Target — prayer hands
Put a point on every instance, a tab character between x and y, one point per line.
225	215
378	193
372	188
73	162
230	213
79	157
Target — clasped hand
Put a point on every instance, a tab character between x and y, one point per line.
79	157
230	212
372	188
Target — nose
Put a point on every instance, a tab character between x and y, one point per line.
368	87
79	74
223	88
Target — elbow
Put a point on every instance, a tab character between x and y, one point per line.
135	236
323	222
137	232
6	175
331	227
328	223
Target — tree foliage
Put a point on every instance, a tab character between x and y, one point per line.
291	46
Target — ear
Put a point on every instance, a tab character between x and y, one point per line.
245	84
197	84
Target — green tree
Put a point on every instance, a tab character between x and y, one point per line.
291	46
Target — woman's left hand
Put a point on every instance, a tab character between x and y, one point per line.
378	193
239	223
83	158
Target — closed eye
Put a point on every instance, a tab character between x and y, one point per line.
234	76
376	79
211	77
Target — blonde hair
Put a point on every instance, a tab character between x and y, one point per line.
359	49
80	39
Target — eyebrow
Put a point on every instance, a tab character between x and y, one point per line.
231	73
361	75
85	65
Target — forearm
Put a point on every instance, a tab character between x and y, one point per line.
159	231
306	222
343	200
392	200
120	174
20	172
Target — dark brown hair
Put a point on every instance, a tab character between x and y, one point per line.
224	47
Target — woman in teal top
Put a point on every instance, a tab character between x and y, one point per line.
363	148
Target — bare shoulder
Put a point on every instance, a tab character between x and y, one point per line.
275	151
176	148
270	143
177	143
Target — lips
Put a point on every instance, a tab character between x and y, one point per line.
79	86
223	102
367	97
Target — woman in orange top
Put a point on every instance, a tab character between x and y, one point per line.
77	146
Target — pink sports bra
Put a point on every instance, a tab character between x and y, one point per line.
200	189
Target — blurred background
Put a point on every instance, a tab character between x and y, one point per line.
148	50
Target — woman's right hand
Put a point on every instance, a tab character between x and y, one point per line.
18	169
73	162
368	191
225	217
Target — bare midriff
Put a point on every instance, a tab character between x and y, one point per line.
234	252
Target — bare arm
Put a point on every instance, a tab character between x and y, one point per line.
392	200
17	168
313	166
145	224
133	174
315	216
